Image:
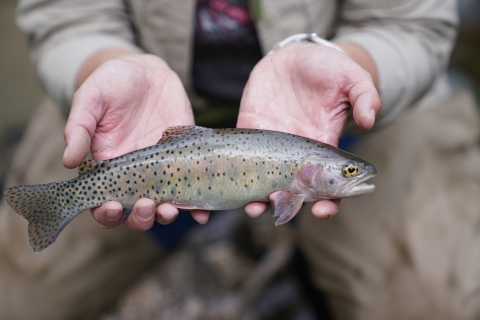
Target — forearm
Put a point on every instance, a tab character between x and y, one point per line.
95	60
64	35
409	43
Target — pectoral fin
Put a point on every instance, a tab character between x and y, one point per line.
286	205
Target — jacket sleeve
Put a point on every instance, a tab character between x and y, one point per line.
409	41
63	34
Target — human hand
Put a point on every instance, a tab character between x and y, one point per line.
309	90
124	105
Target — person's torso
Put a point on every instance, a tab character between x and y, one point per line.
166	27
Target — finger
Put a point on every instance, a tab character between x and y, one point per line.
166	213
108	214
142	216
366	106
254	209
325	209
363	96
78	142
82	122
201	216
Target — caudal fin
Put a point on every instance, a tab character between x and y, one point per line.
47	209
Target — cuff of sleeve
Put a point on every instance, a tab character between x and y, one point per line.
58	68
393	72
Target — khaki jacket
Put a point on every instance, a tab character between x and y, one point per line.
409	41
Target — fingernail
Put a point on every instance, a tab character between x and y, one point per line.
65	152
112	215
145	212
372	116
203	222
166	219
163	221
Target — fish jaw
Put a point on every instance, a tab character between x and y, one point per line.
359	188
321	177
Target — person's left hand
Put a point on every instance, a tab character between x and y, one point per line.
309	90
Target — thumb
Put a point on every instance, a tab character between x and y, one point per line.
81	125
366	104
77	140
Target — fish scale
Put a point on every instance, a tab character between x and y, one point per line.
193	168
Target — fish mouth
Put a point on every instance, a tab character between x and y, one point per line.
358	188
362	188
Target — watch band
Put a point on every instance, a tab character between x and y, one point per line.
304	37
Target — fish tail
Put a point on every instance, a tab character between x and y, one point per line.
47	208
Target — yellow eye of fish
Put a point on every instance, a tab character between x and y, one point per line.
350	170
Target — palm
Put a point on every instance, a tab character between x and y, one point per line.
127	103
308	90
305	90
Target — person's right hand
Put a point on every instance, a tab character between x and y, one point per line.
123	105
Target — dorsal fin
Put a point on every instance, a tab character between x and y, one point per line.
88	165
180	132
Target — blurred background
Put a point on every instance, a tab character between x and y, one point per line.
20	94
465	63
19	91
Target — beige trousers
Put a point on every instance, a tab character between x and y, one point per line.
410	250
86	268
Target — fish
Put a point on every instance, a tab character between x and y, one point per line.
195	167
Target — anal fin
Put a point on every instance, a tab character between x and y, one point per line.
286	205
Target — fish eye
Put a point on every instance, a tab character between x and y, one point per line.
350	170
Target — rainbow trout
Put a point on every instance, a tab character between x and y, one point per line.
198	168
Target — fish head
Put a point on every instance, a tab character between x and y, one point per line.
335	175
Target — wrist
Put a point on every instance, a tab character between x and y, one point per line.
97	59
353	51
305	38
